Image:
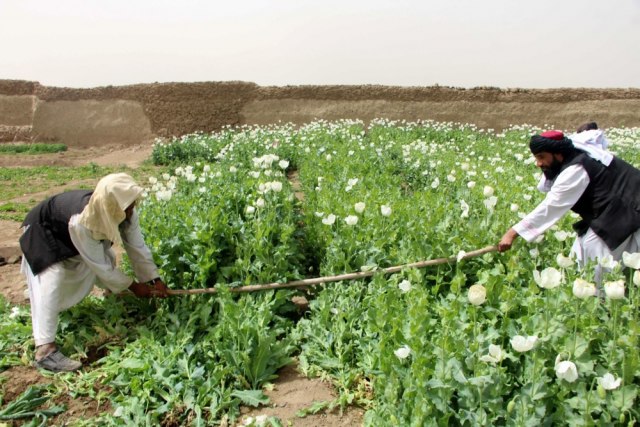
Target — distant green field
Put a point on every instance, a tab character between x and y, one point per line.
37	148
18	182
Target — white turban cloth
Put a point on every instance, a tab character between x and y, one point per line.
106	208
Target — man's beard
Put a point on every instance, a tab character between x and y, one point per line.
553	170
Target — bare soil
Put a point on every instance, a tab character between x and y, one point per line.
291	391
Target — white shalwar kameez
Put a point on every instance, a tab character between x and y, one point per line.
66	283
562	195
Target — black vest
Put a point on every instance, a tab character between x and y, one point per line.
610	205
46	240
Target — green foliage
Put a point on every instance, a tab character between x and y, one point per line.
408	347
35	148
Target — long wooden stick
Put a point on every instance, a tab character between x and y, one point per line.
327	279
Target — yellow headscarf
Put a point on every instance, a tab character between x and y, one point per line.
106	208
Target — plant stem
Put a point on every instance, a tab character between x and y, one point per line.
615	331
575	327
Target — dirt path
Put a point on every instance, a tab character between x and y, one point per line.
291	391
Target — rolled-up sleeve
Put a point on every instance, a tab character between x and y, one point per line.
567	189
96	256
141	259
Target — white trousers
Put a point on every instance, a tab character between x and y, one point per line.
590	247
57	288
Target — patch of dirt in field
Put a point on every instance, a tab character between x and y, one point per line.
293	392
294	179
110	155
17	379
12	284
80	407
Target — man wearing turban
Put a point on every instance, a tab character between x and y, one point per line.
600	187
67	243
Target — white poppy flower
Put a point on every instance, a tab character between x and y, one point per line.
609	382
527	197
496	355
359	207
153	180
561	236
329	220
614	290
403	352
608	262
465	209
563	261
405	286
471	184
490	202
631	260
522	344
567	371
233	169
583	289
206	168
250	209
477	294
164	195
514	207
435	184
254	174
283	164
276	186
260	203
549	278
385	210
636	277
352	182
15	312
351	220
487	191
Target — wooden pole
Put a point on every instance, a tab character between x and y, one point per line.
327	279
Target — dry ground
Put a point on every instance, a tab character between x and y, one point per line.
291	391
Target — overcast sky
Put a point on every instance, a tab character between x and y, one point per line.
462	43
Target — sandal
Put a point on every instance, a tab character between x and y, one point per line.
57	362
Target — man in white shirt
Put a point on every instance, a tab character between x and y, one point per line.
67	243
602	188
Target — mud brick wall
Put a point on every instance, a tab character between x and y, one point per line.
139	113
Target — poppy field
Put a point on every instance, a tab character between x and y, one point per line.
520	338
